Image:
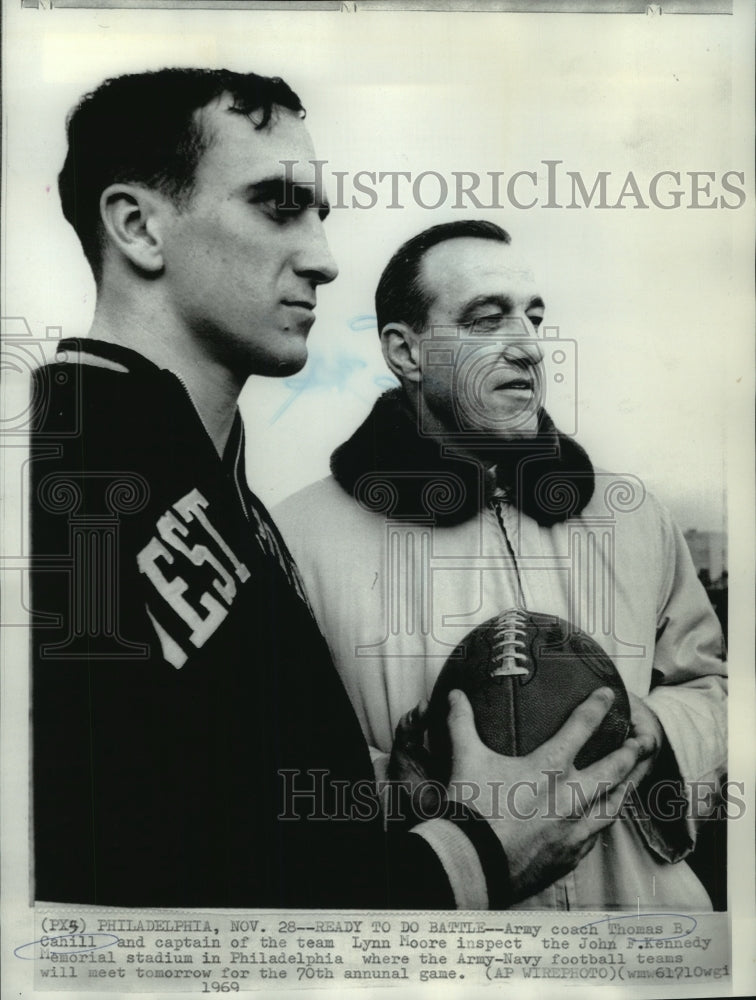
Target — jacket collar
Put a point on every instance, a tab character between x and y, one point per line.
105	354
386	463
122	358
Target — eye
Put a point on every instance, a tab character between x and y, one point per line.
278	209
283	213
536	319
486	324
279	201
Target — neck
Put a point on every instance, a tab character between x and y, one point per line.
214	388
485	451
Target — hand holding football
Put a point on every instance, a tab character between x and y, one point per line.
524	673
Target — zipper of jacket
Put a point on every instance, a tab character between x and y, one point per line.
497	503
236	478
239	493
185	387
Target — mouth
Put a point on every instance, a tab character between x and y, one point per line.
515	385
299	304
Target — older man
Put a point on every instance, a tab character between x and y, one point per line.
458	498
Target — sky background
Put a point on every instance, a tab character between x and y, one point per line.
656	304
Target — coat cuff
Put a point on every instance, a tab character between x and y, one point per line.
472	857
660	805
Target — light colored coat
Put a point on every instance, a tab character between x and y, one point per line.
394	598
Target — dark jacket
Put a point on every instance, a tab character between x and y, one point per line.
181	688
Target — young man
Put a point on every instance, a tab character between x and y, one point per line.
458	499
193	743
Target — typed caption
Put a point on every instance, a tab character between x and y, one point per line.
81	950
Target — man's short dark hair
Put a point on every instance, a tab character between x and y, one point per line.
142	129
400	296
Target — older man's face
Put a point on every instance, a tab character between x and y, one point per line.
481	361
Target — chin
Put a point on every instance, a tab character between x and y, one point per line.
287	363
290	366
507	427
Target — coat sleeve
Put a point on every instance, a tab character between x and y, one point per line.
689	696
453	861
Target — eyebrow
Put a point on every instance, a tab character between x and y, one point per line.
503	302
288	195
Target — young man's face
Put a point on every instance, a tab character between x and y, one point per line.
480	359
240	272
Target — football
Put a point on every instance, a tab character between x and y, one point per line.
524	673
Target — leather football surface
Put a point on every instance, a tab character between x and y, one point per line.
524	673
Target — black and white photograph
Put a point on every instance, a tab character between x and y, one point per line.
377	448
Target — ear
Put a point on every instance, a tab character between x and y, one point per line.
131	216
401	351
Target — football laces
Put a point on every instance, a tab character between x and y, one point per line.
509	644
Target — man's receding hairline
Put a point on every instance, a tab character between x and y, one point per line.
208	136
429	297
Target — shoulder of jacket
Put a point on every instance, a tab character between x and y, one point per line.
625	496
314	497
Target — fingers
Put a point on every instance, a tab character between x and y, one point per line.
616	767
634	700
645	721
412	725
462	732
420	712
641	769
607	810
565	744
608	795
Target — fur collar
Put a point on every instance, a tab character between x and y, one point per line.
388	467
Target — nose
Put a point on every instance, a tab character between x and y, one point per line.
524	348
524	352
314	261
